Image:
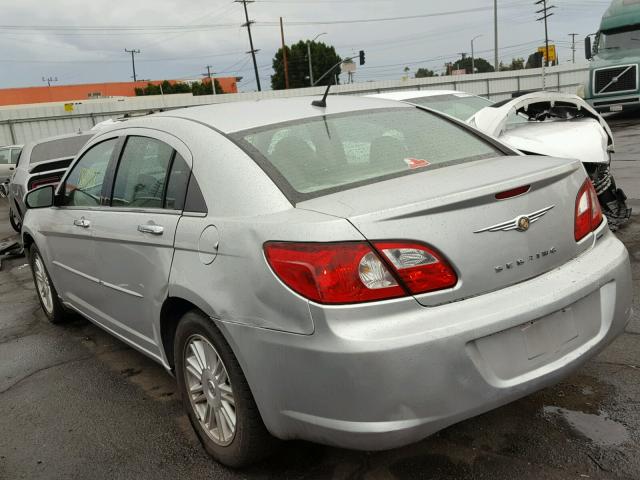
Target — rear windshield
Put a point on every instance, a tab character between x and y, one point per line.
312	157
461	106
61	148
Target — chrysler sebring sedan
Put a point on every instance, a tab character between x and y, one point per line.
362	274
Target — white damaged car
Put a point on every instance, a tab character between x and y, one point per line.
539	123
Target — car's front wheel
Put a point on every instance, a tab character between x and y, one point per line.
47	294
216	395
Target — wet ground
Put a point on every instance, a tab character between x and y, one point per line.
76	403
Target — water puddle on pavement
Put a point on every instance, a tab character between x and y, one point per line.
598	428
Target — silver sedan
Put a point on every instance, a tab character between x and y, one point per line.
361	275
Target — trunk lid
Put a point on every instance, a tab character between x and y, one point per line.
453	209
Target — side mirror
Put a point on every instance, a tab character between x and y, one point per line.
41	197
588	52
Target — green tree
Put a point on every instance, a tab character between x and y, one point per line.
323	57
516	64
482	66
204	87
424	73
168	88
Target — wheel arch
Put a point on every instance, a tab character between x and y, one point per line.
27	240
173	308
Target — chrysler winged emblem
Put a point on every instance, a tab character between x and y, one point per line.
521	223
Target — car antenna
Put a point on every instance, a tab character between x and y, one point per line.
323	103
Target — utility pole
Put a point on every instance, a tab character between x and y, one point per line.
284	57
133	61
545	16
49	80
495	34
573	46
253	51
473	58
212	80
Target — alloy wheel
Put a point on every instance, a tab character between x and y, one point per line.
210	390
43	285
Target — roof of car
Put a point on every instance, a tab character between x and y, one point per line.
408	94
239	116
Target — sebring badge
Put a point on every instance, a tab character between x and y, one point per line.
521	223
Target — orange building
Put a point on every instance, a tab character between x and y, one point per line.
67	93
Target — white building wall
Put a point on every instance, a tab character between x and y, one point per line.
23	123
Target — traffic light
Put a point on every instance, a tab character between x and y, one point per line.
361	57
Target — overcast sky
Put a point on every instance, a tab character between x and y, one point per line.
84	56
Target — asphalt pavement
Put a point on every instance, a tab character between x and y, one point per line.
77	403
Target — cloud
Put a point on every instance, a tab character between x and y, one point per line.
78	56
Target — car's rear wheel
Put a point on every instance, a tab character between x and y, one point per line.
14	220
47	294
216	395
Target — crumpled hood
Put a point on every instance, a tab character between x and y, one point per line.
588	139
583	139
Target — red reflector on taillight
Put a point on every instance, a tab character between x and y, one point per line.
588	211
420	268
353	272
515	192
332	273
38	182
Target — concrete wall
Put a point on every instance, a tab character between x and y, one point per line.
20	124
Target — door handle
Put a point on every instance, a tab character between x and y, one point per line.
152	229
82	223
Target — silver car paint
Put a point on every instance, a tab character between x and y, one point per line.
445	208
368	376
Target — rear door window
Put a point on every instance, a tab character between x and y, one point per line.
150	175
177	184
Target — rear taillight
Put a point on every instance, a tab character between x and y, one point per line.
420	268
588	211
38	182
354	272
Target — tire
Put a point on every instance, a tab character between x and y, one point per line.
14	220
50	303
250	440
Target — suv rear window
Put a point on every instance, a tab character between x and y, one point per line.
312	157
60	148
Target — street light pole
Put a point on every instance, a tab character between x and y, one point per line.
473	57
309	56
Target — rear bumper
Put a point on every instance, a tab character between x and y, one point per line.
384	375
